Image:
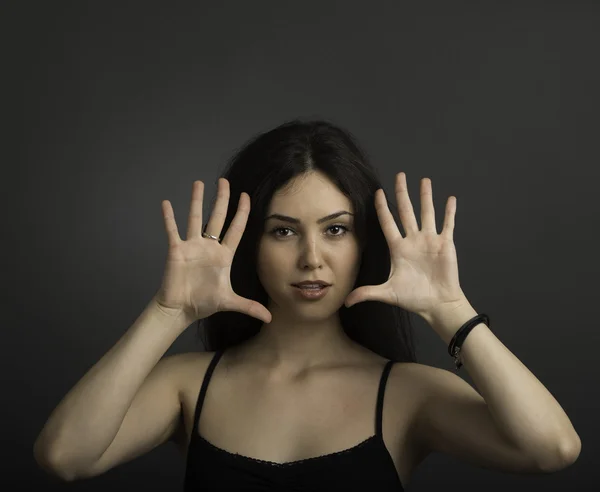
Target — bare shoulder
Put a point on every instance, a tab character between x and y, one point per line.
186	359
424	380
454	419
188	365
435	394
415	382
409	391
188	368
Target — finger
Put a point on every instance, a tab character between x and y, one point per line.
249	307
448	228
238	224
370	293
258	311
195	218
170	224
386	219
219	213
427	207
405	208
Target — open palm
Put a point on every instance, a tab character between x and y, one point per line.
424	265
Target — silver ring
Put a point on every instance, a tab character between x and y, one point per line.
204	234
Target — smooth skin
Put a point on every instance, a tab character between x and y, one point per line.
144	409
197	277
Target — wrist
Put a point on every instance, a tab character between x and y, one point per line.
448	318
172	315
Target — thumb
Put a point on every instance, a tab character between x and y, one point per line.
252	308
362	294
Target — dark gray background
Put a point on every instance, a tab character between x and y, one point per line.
112	107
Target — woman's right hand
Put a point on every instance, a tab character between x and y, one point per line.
196	281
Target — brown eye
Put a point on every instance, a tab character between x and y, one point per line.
275	231
340	227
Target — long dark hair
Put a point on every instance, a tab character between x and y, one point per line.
264	165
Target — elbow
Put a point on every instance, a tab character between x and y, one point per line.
567	454
49	462
571	451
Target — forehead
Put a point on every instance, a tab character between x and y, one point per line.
307	193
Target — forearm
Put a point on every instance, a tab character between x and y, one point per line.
88	418
523	409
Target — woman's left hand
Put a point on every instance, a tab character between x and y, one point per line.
424	265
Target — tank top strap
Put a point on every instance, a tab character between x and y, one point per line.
380	395
203	388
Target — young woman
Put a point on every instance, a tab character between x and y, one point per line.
309	380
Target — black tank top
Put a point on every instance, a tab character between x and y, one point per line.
365	466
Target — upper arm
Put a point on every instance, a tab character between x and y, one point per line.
454	419
152	419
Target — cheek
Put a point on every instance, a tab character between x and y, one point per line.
353	261
272	262
346	265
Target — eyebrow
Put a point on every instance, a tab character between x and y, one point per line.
297	221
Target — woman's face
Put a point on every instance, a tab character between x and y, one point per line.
290	252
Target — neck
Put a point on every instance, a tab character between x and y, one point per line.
283	350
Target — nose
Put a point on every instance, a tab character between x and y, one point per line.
310	255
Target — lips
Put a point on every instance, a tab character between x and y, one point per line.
312	293
311	285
